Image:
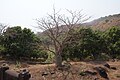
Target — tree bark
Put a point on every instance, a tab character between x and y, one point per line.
58	57
58	60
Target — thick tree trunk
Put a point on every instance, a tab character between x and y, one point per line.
58	60
58	57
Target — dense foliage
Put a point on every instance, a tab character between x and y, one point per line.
81	44
19	43
86	43
112	40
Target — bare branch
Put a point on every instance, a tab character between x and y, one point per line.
57	28
2	28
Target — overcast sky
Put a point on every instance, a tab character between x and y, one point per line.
23	12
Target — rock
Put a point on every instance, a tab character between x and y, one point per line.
107	65
44	73
52	72
90	72
87	73
24	74
114	68
102	72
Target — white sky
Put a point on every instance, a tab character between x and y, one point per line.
23	12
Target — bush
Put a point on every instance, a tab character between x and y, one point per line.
41	55
103	57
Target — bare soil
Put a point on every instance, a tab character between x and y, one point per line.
49	71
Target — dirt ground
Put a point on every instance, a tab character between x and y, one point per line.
49	71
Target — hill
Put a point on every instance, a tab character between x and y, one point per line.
106	22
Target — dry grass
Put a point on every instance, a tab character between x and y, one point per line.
72	74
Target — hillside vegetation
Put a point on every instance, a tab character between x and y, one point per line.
106	22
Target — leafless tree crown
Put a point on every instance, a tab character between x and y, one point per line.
57	24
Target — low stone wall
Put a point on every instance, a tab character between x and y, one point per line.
6	74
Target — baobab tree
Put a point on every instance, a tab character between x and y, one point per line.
57	27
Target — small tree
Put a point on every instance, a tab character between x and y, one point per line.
57	28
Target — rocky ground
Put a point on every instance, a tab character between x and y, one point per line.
91	70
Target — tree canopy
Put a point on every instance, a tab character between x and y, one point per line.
86	43
20	42
112	39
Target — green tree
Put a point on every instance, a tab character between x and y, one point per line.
112	39
82	44
20	42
